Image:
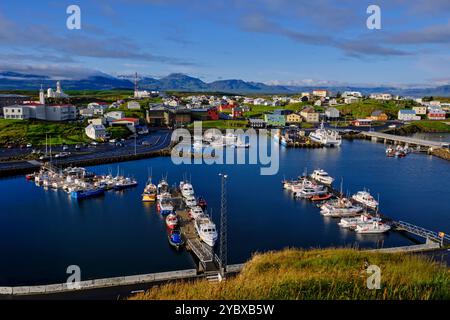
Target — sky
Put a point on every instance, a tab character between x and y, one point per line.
287	42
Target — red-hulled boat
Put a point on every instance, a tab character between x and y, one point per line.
321	197
172	221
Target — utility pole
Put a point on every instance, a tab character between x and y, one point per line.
223	226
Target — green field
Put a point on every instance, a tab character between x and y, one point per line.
31	131
432	125
320	274
259	111
222	124
365	108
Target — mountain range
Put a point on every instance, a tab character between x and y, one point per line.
10	80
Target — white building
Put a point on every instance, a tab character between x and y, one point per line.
134	105
347	94
407	115
381	96
420	110
332	113
114	115
41	112
96	131
16	112
320	93
58	94
349	100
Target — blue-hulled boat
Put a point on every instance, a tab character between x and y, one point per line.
176	238
87	193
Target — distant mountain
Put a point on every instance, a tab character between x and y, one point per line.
10	80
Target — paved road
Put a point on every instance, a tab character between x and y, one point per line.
153	142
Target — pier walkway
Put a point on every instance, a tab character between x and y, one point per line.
407	140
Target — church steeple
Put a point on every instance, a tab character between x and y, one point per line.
41	96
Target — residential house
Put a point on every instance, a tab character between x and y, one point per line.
114	115
378	115
96	131
309	115
293	118
130	123
86	113
348	94
320	93
407	115
237	112
381	96
420	110
259	101
436	114
349	100
97	121
133	105
332	113
362	122
256	123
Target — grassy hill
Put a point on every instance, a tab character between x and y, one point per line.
319	274
365	108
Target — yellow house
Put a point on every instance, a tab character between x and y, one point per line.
293	118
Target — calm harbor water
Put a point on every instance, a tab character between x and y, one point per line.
43	232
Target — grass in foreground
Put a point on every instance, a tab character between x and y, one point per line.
432	125
319	274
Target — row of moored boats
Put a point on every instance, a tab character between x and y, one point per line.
353	211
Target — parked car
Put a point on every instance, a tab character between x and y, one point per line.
29	145
77	147
65	147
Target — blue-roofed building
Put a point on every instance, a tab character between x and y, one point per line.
407	115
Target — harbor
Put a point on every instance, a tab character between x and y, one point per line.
118	234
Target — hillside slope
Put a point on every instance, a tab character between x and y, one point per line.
319	274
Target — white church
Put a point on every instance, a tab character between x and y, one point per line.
58	94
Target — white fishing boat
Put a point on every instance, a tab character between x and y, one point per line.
190	201
342	207
366	199
322	177
375	227
186	189
196	212
327	137
206	230
355	221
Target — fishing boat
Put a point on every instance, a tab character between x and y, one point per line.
164	207
365	198
195	212
342	207
150	191
171	221
372	228
353	222
322	197
186	189
86	193
125	183
162	189
322	177
206	230
307	189
329	138
390	152
176	238
190	201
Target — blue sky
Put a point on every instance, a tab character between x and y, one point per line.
272	41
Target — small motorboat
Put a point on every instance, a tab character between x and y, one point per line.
30	176
172	221
176	238
321	197
150	191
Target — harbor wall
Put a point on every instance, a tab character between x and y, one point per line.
189	274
